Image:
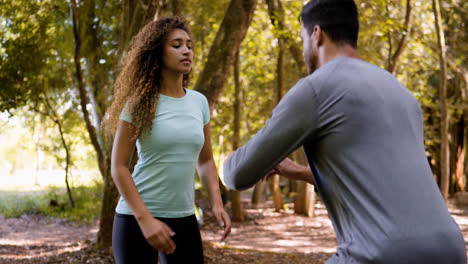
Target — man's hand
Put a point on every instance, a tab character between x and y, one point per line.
158	234
289	169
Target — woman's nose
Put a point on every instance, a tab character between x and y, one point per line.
186	50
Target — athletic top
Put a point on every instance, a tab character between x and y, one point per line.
165	172
362	133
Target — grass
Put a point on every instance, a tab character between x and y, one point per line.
52	200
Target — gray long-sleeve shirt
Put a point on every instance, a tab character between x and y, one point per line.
362	132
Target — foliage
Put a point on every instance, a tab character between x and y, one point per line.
53	201
18	148
36	47
30	39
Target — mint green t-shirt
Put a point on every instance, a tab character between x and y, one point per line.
165	172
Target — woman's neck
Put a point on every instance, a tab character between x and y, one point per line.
171	84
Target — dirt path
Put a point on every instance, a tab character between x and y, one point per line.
266	237
38	239
279	232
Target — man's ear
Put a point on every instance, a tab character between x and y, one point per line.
318	35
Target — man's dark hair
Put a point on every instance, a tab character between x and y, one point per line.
339	19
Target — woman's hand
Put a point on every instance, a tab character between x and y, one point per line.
158	234
223	220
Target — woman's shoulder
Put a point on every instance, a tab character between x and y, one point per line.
196	94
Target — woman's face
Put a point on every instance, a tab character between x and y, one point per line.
178	53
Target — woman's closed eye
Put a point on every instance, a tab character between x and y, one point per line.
178	46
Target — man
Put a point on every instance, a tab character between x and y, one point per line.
362	133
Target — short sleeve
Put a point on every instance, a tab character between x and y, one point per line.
126	115
205	110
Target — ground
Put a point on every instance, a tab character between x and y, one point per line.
266	237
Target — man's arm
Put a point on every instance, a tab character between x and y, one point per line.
291	170
293	122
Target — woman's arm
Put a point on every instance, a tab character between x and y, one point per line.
209	176
156	232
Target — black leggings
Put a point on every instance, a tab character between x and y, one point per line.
130	246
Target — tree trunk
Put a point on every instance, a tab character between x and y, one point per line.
461	168
394	57
176	7
110	194
462	73
50	113
257	194
465	148
106	220
458	132
292	187
305	202
67	158
444	118
53	115
274	181
276	13
236	205
465	135
305	199
222	52
37	143
457	181
459	177
136	14
67	164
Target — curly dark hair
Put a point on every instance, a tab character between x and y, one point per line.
139	82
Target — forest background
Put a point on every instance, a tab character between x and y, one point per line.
58	61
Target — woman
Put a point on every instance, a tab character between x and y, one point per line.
169	125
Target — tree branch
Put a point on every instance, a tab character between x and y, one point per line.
461	71
50	113
276	12
176	8
230	34
55	118
389	36
404	38
84	100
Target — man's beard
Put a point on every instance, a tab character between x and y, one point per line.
313	62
